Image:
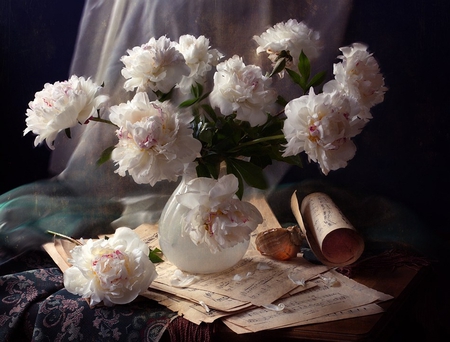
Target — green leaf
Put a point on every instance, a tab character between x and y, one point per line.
253	175
164	96
295	76
293	160
317	79
213	169
208	165
105	156
231	169
210	112
261	161
188	103
154	255
199	90
281	101
278	67
202	171
206	135
304	66
194	91
204	96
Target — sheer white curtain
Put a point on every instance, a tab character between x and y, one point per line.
109	28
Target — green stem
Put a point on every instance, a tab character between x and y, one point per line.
103	120
257	141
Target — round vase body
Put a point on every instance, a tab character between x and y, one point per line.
181	251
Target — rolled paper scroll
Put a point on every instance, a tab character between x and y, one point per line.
331	237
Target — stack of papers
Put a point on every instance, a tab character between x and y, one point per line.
260	293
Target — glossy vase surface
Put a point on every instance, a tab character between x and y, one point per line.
181	251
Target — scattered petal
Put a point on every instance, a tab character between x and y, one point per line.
296	279
262	266
238	277
273	307
181	279
329	281
207	309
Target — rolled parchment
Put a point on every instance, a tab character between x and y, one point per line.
331	237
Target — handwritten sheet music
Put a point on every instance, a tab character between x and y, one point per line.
310	306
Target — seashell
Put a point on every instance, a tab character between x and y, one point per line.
279	243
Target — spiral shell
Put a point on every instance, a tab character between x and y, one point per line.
279	243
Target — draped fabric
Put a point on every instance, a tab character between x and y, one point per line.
84	198
35	306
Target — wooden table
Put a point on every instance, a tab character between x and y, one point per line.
402	283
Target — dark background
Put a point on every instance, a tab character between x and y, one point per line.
402	154
37	39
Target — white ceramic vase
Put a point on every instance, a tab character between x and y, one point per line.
179	249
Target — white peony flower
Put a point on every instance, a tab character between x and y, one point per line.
335	87
114	271
60	106
292	36
157	65
322	125
217	217
155	140
242	89
199	58
359	75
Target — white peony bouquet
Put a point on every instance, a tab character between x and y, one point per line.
194	107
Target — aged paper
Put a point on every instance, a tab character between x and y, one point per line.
195	312
269	219
255	279
59	251
212	300
332	238
307	307
365	310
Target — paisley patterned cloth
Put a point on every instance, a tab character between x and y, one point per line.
34	306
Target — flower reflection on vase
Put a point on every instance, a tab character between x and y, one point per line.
174	123
204	227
